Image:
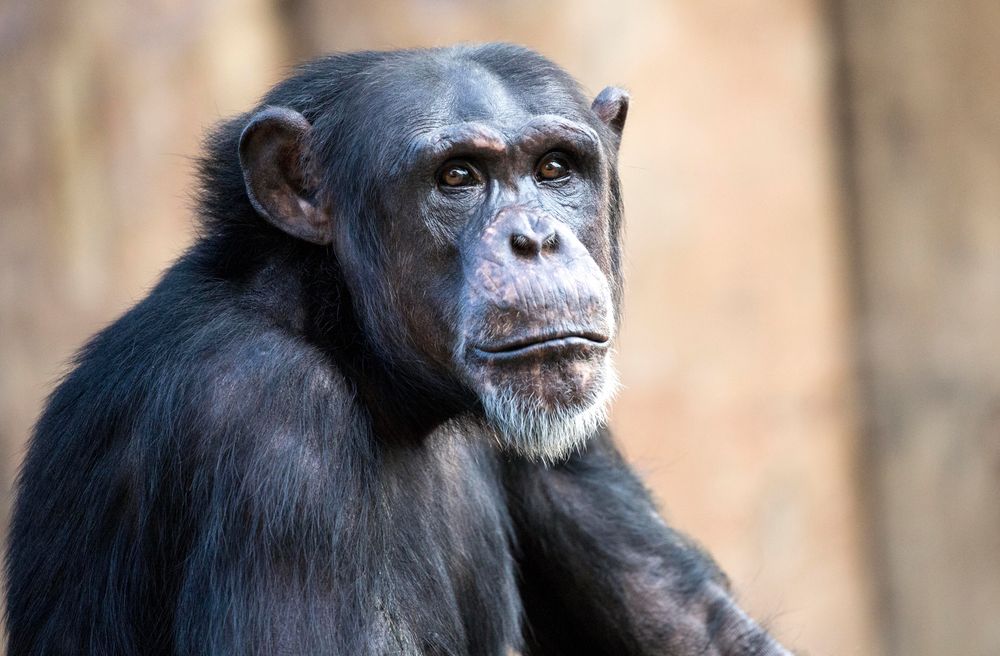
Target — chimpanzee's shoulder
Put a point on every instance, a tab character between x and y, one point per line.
194	344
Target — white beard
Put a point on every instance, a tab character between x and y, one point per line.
523	424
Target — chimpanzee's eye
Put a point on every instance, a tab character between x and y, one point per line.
552	167
457	174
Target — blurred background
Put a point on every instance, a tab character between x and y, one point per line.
811	348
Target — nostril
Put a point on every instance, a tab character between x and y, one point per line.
551	243
522	244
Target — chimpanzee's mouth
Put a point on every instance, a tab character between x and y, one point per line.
544	343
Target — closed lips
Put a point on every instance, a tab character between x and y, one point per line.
534	343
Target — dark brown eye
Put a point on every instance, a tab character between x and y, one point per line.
456	174
552	167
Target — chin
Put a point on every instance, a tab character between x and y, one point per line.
547	410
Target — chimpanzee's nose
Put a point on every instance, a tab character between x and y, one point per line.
532	241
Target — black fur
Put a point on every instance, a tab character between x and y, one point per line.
237	466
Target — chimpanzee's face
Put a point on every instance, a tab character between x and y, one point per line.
503	257
497	259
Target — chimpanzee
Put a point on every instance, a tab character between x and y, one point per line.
365	412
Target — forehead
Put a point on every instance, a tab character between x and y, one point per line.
472	94
431	94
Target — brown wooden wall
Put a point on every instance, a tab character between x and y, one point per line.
813	206
920	86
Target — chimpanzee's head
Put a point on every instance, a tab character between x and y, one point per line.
470	197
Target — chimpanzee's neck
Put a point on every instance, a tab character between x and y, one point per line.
301	286
405	402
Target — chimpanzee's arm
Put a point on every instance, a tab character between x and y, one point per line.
603	574
272	565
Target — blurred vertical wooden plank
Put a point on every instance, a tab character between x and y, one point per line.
921	84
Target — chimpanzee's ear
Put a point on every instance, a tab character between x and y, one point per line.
271	155
611	106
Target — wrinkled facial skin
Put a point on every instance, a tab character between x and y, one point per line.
505	279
